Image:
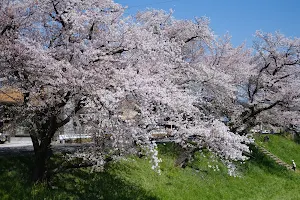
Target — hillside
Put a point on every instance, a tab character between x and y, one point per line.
260	178
283	147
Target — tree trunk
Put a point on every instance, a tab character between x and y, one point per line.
42	149
42	140
42	154
39	172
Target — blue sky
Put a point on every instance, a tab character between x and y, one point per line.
241	18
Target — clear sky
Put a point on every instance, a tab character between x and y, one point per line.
241	18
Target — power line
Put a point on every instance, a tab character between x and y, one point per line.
151	4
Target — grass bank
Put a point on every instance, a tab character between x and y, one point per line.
204	178
281	146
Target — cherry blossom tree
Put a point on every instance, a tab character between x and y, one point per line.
219	73
226	68
250	86
124	76
271	89
47	56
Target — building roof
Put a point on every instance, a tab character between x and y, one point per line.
10	95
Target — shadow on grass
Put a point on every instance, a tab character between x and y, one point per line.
15	176
170	149
81	184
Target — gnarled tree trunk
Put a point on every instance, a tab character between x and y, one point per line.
42	148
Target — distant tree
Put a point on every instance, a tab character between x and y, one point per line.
250	86
272	88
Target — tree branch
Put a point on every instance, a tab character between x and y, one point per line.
80	104
190	39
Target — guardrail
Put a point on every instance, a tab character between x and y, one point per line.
63	138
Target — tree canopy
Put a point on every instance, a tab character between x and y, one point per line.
125	76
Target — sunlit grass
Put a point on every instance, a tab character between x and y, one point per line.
283	147
133	178
260	178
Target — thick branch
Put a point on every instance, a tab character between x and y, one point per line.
7	27
114	52
78	106
256	112
190	39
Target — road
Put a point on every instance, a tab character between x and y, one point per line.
17	142
23	145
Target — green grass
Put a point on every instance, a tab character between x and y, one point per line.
133	178
259	180
283	147
74	184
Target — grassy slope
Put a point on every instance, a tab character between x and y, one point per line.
264	180
282	147
134	179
